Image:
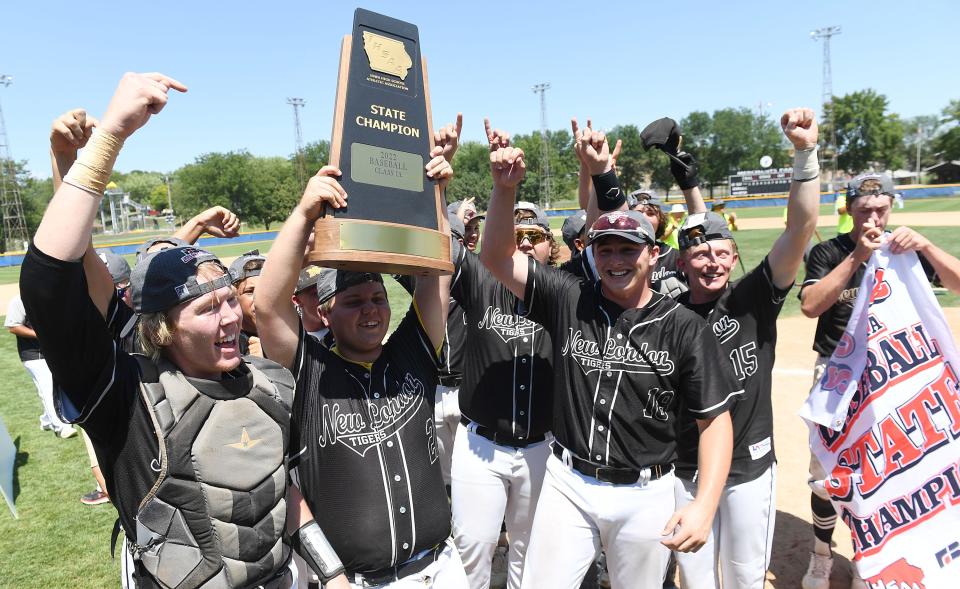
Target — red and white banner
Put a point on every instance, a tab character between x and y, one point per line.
884	423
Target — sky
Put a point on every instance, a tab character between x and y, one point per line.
617	62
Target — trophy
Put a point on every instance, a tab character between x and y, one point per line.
395	220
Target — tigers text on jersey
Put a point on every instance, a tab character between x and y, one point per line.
508	375
744	320
364	452
624	375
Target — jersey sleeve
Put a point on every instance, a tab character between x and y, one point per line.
761	294
546	291
15	313
467	276
95	382
708	385
819	264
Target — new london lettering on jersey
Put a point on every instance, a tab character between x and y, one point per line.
884	423
615	355
507	325
359	431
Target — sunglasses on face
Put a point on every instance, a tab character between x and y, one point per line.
532	235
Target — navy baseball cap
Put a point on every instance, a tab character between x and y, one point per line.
246	265
702	227
118	267
538	219
162	280
573	227
630	225
310	276
855	186
171	240
337	281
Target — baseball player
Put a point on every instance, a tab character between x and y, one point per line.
466	210
191	437
363	450
307	303
743	315
506	399
627	362
834	273
245	270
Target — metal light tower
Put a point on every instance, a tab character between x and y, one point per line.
545	187
826	33
297	103
14	226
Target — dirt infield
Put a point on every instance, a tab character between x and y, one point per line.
899	218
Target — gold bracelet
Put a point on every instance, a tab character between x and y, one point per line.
92	170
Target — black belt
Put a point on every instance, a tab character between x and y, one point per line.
451	381
391	574
502	439
609	474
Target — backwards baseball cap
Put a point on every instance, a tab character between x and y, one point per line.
310	276
702	227
118	267
247	265
162	280
855	187
337	281
169	239
573	227
456	225
469	211
630	225
644	196
538	219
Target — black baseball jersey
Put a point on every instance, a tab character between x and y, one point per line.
824	257
451	354
624	375
744	320
364	451
666	266
507	369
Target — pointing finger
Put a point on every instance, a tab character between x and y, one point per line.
459	123
167	80
486	126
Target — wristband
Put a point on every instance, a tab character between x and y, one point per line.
805	164
609	195
310	543
92	170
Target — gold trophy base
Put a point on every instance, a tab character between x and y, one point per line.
375	246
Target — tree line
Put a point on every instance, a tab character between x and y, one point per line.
262	190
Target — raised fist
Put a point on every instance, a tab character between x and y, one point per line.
137	97
507	167
219	222
71	131
800	127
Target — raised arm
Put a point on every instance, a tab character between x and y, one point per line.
64	232
432	294
216	221
593	151
277	321
803	204
499	253
70	133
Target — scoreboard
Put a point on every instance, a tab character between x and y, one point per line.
751	182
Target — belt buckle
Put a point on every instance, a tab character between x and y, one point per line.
599	475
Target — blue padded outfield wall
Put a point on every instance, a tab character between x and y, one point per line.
772	200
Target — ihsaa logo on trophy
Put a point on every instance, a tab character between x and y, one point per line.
386	55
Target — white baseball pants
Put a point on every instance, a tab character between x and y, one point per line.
43	380
741	539
578	514
446	418
494	484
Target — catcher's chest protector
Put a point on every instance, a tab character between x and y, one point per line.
216	514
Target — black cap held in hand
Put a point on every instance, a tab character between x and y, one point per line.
662	133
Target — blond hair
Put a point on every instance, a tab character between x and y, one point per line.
155	331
